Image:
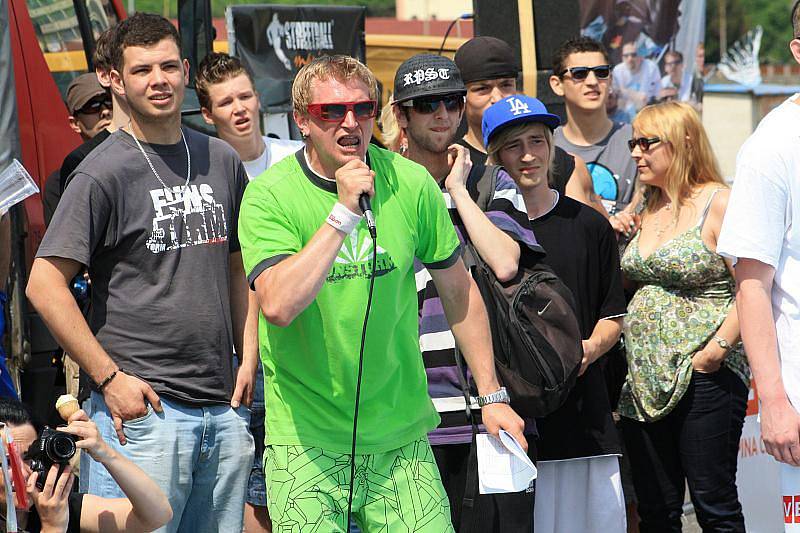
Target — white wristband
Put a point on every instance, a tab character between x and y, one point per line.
343	219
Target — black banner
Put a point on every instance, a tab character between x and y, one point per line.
275	41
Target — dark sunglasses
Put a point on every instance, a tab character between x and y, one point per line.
602	72
93	107
644	143
430	104
336	112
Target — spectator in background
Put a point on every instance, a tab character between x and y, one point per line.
90	111
637	81
673	76
578	446
393	136
489	69
582	76
229	101
683	403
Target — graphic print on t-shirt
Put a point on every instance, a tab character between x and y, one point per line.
355	259
186	219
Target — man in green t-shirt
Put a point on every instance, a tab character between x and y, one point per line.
308	256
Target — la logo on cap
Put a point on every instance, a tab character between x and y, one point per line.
518	107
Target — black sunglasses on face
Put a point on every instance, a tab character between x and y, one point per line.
430	104
601	72
644	143
93	107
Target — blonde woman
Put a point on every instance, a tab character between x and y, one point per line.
394	137
683	403
578	445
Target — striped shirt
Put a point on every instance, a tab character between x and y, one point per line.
506	211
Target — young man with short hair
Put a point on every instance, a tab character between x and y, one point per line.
153	215
229	101
429	112
759	233
582	76
308	255
489	69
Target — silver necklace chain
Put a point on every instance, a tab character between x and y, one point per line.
150	163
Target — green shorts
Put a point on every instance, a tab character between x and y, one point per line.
398	491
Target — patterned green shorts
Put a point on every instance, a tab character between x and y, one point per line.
394	492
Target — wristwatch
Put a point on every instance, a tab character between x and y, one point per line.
725	345
500	396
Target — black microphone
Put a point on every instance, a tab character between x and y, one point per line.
366	208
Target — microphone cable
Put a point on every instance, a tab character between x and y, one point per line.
360	372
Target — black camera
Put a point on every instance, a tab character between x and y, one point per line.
52	447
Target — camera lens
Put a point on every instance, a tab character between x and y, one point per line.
62	448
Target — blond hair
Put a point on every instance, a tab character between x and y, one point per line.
693	163
391	132
506	135
339	67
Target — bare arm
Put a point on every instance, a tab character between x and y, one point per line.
48	291
581	188
286	289
780	422
712	355
146	506
244	316
496	247
604	336
469	322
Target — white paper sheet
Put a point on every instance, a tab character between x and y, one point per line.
503	466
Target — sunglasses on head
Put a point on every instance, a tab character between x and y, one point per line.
644	143
429	104
363	110
601	72
94	106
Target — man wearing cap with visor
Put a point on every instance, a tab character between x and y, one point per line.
489	69
89	106
308	256
429	112
578	484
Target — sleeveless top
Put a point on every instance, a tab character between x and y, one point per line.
686	293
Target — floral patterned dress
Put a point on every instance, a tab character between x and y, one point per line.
685	293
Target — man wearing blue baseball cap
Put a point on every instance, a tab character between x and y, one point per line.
578	486
429	111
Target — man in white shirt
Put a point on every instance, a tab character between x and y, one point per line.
637	81
229	101
760	233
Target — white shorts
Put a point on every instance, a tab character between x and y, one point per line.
579	495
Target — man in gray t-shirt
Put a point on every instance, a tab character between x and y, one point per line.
153	213
582	76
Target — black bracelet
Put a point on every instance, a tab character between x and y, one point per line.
108	379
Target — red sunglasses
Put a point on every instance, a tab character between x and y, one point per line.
336	112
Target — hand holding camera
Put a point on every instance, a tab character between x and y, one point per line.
50	495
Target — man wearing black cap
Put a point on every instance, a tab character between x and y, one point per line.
489	69
429	111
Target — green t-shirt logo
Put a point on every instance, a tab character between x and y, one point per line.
355	259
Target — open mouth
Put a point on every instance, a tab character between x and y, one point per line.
349	141
242	122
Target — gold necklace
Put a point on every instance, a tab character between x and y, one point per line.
657	220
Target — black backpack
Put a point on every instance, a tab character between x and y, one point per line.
535	333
